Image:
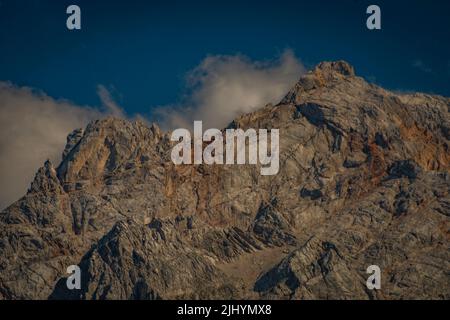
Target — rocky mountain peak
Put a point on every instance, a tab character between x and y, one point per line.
45	180
72	139
340	67
331	75
364	179
106	147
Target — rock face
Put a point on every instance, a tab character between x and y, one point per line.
364	180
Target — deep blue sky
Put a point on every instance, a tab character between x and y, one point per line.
144	49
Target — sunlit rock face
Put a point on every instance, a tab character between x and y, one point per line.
363	180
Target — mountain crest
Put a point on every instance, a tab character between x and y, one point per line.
363	180
340	67
46	180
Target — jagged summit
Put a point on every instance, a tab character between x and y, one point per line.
341	67
364	179
325	75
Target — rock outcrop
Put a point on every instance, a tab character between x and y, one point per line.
364	180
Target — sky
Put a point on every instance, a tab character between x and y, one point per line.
174	61
142	50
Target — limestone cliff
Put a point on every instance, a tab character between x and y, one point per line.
364	179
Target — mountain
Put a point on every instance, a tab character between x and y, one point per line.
363	180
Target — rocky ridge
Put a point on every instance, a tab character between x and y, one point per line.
364	179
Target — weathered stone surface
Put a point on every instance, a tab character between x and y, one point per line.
136	261
364	179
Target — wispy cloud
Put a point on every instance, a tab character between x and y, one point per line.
224	86
419	64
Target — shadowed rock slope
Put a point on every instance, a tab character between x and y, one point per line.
364	179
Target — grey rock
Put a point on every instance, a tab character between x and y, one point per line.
364	179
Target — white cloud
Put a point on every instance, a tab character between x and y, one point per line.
108	102
223	87
33	128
